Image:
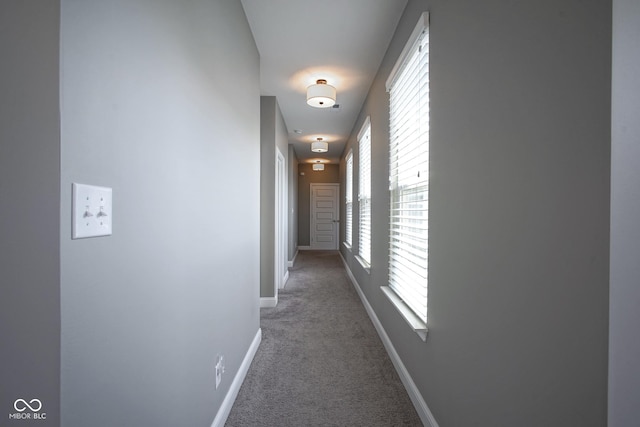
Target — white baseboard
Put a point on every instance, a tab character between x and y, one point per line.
268	302
293	261
285	279
227	403
310	248
414	394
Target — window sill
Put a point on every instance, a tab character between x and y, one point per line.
347	246
418	326
364	264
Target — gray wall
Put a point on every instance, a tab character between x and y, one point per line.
330	174
520	161
160	101
292	176
624	355
29	208
273	133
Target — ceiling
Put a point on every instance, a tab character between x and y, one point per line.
301	41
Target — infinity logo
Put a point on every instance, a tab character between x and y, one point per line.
25	405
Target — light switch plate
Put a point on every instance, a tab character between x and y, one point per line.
92	210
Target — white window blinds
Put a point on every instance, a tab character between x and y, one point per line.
408	88
348	227
364	193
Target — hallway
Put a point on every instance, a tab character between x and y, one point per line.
321	362
523	309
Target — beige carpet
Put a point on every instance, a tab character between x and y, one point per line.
321	362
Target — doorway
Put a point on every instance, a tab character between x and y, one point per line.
281	271
325	216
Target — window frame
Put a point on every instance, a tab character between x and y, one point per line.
348	200
409	183
364	194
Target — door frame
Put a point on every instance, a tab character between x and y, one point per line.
280	267
311	217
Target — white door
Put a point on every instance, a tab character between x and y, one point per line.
280	226
324	216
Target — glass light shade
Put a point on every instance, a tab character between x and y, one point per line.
321	95
320	147
318	167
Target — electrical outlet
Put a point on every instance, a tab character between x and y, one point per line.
219	370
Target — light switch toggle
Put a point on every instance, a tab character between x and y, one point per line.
92	211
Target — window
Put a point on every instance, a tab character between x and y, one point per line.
364	193
408	87
348	227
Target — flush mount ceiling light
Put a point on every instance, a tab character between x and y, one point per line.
321	95
319	146
318	165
